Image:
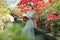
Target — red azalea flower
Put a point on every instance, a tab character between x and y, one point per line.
40	4
24	1
34	1
37	10
35	5
52	16
22	6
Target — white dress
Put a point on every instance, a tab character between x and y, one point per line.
29	27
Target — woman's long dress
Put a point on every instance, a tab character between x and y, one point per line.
29	27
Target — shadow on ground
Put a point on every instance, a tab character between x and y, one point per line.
42	36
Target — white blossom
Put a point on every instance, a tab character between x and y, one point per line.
9	18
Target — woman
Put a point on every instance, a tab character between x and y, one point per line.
29	27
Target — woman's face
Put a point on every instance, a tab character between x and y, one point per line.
29	8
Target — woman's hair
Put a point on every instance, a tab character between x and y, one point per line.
30	6
25	17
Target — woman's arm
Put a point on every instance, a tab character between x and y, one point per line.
35	19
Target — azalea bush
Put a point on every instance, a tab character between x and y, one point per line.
8	27
50	15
